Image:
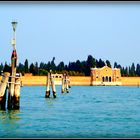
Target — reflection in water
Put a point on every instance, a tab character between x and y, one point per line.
2	114
9	114
87	112
50	101
12	114
10	123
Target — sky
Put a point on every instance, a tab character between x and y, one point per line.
70	31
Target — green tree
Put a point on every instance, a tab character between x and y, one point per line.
126	71
101	63
78	66
42	65
132	70
42	72
7	68
60	66
21	68
53	66
115	64
138	70
26	67
90	63
72	66
36	68
108	63
48	66
32	69
83	67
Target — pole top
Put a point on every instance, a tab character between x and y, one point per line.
14	24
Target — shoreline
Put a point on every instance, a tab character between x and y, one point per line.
74	81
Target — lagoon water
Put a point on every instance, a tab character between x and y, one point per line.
84	112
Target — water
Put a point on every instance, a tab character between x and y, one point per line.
85	112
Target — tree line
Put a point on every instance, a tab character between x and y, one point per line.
77	68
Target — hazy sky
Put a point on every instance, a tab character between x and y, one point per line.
71	31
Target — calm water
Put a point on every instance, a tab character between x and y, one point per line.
85	112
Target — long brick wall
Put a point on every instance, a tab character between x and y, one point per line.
130	81
75	80
41	80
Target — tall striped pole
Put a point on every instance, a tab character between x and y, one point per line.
13	70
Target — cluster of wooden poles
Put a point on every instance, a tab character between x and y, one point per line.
51	83
11	82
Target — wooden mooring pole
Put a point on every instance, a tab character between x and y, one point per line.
14	79
65	83
47	95
50	82
3	90
14	84
16	104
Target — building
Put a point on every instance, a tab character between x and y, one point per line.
28	74
105	76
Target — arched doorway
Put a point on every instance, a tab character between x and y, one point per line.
103	79
106	78
110	79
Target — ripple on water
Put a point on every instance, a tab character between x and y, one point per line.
85	112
